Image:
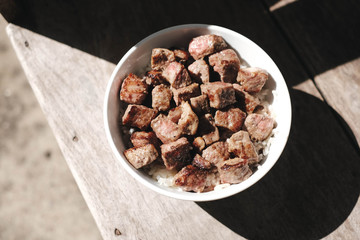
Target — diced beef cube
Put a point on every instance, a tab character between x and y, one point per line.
133	89
138	116
216	153
161	97
154	77
189	121
241	145
175	114
185	93
161	58
165	129
141	156
201	162
181	56
199	71
177	75
248	101
176	154
142	138
220	94
204	45
208	130
234	171
199	144
231	119
191	178
227	64
259	126
200	104
252	79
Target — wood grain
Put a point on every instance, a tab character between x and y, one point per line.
309	193
72	100
70	90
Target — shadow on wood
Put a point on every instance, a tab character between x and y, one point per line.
309	192
324	33
315	184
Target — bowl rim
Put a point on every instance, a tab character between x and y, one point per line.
182	195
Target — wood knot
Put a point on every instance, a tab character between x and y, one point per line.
117	232
75	139
26	44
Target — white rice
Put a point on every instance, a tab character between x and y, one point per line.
221	186
163	176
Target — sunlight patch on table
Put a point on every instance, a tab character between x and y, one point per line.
280	4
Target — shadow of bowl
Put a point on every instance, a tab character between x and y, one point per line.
310	191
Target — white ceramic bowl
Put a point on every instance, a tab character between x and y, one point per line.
138	57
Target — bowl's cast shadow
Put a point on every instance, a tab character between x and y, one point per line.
309	192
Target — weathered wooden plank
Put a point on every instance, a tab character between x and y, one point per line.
71	97
302	197
326	39
341	88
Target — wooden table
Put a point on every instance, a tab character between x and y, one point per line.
69	49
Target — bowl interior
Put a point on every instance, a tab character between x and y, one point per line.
137	59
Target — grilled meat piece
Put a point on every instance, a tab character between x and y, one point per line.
185	93
176	154
201	162
241	145
259	126
138	116
141	156
133	89
199	71
204	45
227	64
189	121
175	114
234	171
177	75
216	153
161	58
142	138
200	104
165	129
191	178
220	94
181	56
154	77
252	79
247	101
199	144
161	97
231	119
